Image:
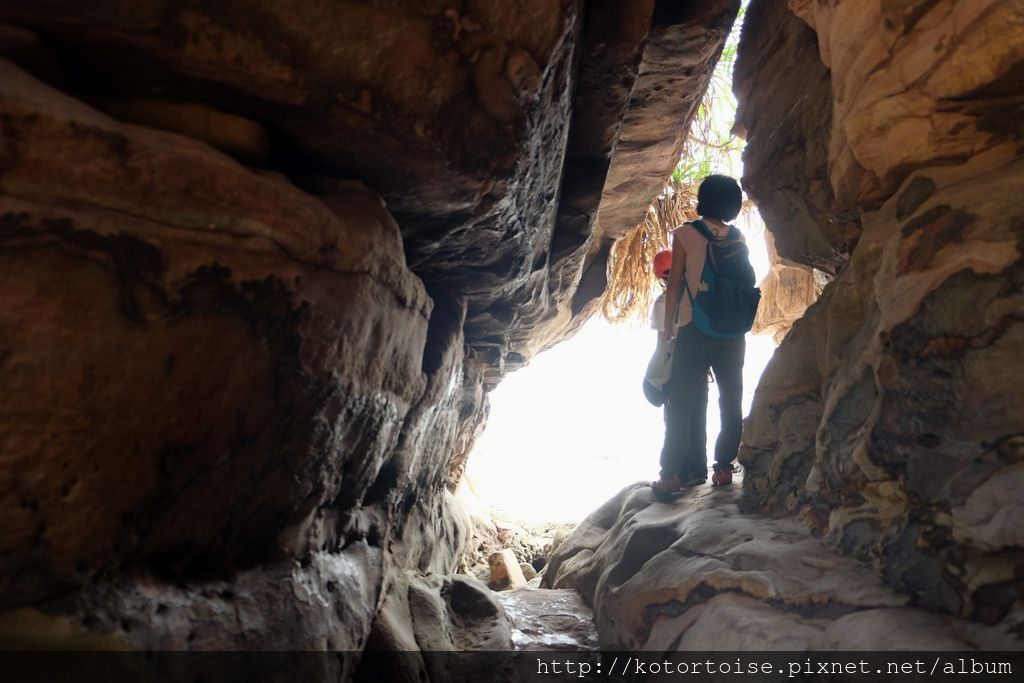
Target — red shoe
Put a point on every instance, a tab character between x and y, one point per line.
721	477
666	486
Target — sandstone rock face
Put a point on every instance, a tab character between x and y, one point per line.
436	615
326	603
120	272
784	111
889	417
237	398
212	374
786	292
697	574
505	571
467	120
650	141
673	71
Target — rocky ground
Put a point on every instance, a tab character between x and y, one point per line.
493	531
261	269
549	619
696	574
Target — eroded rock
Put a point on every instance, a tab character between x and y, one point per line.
888	418
786	292
549	620
467	120
222	380
505	571
119	271
697	574
785	111
429	615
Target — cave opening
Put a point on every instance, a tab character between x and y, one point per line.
569	430
267	272
572	428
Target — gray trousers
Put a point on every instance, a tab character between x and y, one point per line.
684	453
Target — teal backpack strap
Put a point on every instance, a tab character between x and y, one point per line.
703	229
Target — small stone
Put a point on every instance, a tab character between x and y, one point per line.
505	571
528	571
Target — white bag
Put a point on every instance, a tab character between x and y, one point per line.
659	369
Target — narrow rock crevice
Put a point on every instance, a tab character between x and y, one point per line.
261	268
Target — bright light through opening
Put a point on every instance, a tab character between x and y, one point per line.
569	430
572	428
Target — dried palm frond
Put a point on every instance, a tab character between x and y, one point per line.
630	277
710	148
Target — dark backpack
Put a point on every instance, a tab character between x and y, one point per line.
726	300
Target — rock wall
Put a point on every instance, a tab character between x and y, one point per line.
239	387
889	418
695	574
217	381
786	292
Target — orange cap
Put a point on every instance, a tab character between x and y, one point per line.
663	264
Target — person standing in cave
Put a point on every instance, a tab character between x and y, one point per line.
697	344
662	267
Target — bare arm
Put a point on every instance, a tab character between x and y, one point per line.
675	289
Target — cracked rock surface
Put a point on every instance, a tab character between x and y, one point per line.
495	131
697	574
881	149
261	264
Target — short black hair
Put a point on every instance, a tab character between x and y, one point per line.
719	197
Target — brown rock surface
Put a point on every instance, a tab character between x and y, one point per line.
784	111
235	136
236	400
123	419
889	417
328	604
664	96
786	292
505	571
435	614
697	574
219	387
466	119
228	389
666	84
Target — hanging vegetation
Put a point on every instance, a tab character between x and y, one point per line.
710	148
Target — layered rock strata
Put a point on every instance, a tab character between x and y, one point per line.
697	575
494	131
238	397
786	292
890	418
194	396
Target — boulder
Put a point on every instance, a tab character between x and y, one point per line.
505	571
786	292
261	267
697	574
888	418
